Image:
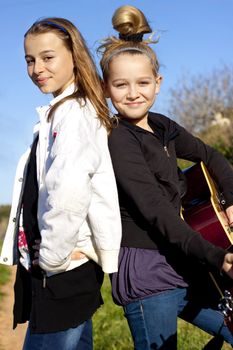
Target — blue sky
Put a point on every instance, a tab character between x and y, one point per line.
195	37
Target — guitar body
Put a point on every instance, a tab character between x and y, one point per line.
201	209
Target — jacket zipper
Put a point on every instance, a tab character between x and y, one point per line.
44	279
166	150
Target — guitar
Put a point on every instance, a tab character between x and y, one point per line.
202	210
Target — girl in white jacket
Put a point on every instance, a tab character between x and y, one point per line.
65	206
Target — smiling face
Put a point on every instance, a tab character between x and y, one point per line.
132	86
49	62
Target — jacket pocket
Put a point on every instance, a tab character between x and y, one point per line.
83	279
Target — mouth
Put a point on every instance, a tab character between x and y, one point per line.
41	81
134	104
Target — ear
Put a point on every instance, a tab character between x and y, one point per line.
159	79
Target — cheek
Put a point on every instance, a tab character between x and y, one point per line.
30	71
68	63
66	73
116	95
151	94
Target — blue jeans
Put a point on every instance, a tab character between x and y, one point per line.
153	320
79	338
86	340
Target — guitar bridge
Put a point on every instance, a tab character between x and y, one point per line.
226	304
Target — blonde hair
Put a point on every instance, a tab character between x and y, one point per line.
87	81
131	24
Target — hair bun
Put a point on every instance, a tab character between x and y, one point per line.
131	37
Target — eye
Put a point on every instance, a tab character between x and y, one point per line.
29	61
144	82
120	85
47	58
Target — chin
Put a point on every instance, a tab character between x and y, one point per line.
45	90
135	117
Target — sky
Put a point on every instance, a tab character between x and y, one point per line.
195	38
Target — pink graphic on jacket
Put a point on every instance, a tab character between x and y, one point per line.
22	241
23	245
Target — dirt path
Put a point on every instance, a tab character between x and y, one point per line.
10	339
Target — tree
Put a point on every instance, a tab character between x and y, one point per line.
198	100
204	106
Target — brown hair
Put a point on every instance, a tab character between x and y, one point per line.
131	24
87	81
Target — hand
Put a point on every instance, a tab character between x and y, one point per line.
229	213
74	256
227	266
77	255
36	247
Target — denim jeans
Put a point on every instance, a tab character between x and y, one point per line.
86	340
79	338
153	320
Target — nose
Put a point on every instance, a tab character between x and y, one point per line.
132	92
38	67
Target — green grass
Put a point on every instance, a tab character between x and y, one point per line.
109	325
4	211
111	329
4	270
4	275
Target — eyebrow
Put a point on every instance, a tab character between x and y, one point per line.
41	53
124	79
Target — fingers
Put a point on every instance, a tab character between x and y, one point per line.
228	258
36	246
77	256
35	262
227	266
229	213
74	256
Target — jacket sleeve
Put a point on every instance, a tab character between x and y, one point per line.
104	213
70	192
195	150
137	183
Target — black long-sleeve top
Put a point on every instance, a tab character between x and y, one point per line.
145	166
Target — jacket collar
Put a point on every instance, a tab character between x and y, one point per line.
43	110
162	126
68	91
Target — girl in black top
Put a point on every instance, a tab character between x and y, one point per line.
160	252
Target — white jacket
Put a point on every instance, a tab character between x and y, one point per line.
78	204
